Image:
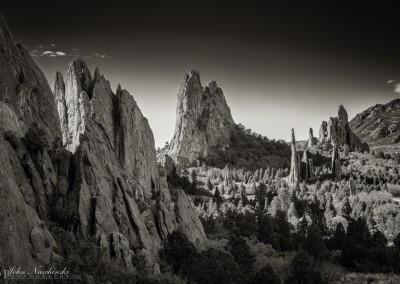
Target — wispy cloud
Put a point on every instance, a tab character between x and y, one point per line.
397	88
53	51
395	84
101	55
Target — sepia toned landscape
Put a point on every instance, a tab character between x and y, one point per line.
89	194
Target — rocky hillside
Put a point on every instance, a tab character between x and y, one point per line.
205	132
379	124
89	167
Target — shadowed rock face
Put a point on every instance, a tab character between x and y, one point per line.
26	178
337	131
203	121
98	179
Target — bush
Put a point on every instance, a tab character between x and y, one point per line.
178	252
36	138
86	261
266	275
251	152
214	266
302	270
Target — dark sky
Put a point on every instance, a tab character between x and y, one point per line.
280	65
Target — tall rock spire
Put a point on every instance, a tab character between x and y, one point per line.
59	93
203	121
311	140
294	163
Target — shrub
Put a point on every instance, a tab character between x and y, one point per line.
178	252
266	275
302	270
36	138
214	266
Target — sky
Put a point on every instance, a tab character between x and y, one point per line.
283	65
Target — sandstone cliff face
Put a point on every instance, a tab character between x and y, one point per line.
90	166
203	121
337	131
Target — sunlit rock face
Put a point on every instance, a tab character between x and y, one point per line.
203	121
83	157
337	131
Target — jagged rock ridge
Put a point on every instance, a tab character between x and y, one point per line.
104	184
379	124
113	142
203	121
337	131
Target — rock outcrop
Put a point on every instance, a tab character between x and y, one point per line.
301	168
307	166
118	188
294	176
90	166
203	121
337	131
312	141
379	124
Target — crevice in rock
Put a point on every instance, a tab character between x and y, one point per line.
128	210
92	217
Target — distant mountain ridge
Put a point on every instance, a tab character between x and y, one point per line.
379	124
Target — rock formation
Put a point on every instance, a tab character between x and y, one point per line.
26	177
311	139
337	131
203	121
105	184
301	168
307	167
323	132
294	176
118	185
